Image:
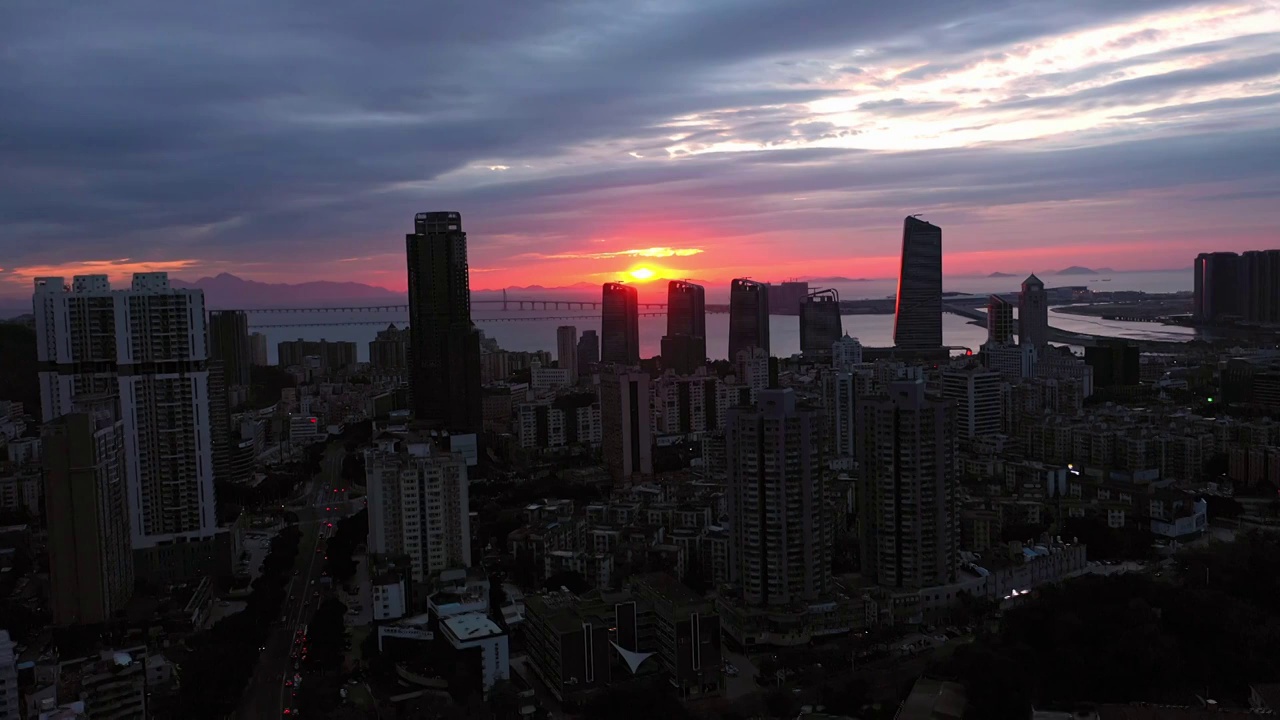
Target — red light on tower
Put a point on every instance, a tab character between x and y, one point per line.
968	352
313	421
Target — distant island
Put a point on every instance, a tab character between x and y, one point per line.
998	274
836	279
1075	270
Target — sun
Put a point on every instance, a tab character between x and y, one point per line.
641	273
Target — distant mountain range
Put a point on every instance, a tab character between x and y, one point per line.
1001	275
228	291
1078	270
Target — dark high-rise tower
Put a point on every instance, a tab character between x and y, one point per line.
748	316
819	324
999	320
619	325
588	352
444	345
684	347
229	342
1217	286
917	324
906	491
1033	313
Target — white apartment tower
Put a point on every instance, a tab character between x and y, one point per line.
146	345
419	506
977	395
780	523
846	352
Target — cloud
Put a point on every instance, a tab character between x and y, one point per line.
653	252
297	139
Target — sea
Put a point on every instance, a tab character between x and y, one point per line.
531	331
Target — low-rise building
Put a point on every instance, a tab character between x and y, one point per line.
476	630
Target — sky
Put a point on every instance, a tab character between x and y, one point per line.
593	140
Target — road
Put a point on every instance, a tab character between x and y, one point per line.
268	696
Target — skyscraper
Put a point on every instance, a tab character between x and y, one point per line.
999	320
90	563
1258	289
258	349
444	344
627	425
588	352
619	325
819	324
976	393
389	350
567	349
780	523
147	346
229	343
1217	286
748	316
917	324
1033	313
907	505
684	347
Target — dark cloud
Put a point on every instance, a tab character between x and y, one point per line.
224	130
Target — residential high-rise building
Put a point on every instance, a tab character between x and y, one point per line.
619	325
780	522
444	344
331	354
147	346
90	560
1257	290
917	323
819	324
999	320
748	316
906	494
843	405
389	350
684	347
845	353
588	352
10	705
1033	313
976	393
1114	362
627	425
751	366
419	505
229	343
686	309
1217	286
567	350
220	431
258	349
786	297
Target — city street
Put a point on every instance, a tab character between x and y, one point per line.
268	696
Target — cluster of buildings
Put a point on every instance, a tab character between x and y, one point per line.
1232	287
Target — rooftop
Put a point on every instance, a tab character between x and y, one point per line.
471	626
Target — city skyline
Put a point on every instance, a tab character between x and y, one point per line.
1158	118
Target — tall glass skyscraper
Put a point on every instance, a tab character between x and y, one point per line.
748	316
1033	313
917	324
684	347
444	344
999	320
619	324
819	324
